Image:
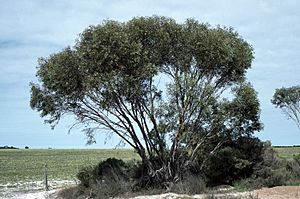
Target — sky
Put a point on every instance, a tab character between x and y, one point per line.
33	28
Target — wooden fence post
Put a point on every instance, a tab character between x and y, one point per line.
46	178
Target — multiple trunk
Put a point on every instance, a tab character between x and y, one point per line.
136	123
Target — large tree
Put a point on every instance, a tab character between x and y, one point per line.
158	85
288	100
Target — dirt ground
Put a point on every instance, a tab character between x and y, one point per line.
282	192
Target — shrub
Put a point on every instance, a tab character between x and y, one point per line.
109	189
190	184
221	167
294	168
271	171
86	176
241	185
111	169
234	161
107	179
297	158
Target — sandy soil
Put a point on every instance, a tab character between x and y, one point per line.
175	196
36	195
283	192
31	190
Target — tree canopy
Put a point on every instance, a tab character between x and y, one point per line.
171	91
288	100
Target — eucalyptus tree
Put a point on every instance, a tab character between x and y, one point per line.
156	84
288	100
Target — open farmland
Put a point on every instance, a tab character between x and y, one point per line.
22	165
287	152
23	170
27	165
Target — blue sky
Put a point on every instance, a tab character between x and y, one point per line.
32	28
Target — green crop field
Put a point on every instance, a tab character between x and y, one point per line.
287	152
21	165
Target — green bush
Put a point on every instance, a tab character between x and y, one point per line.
241	185
294	168
107	179
111	169
271	171
86	175
249	163
297	158
234	161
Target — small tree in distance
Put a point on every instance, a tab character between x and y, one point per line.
156	84
288	100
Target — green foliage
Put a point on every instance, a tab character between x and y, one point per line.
297	158
110	169
241	185
269	172
286	96
86	175
107	179
249	163
287	99
293	167
234	161
243	111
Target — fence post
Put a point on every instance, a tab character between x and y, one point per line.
46	178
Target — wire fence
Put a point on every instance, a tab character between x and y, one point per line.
24	170
37	178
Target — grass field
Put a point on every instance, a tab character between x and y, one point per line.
22	165
287	152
